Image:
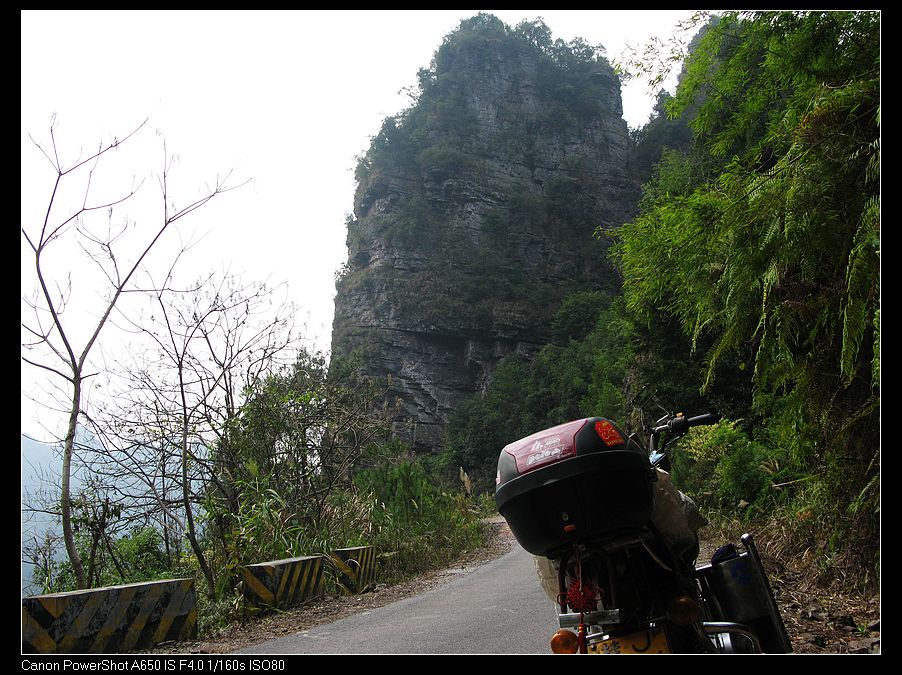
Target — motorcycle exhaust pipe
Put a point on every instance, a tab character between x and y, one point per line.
718	627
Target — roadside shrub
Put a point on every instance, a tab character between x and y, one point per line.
723	466
415	524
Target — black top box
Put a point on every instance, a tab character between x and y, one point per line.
572	484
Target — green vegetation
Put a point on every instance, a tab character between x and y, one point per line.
415	524
306	466
770	248
138	555
751	286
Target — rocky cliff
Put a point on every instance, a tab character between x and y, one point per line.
475	213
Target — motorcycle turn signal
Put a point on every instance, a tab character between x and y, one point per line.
683	610
564	642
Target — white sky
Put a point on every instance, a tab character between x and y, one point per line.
287	99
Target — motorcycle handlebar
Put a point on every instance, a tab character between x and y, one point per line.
701	420
681	424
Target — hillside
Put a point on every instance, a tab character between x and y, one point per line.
475	213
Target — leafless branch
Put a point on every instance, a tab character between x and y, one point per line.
56	336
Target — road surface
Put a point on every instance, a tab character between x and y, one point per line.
495	608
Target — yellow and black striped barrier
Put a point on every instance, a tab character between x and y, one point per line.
355	568
283	583
109	620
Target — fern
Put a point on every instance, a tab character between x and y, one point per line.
772	256
875	362
861	279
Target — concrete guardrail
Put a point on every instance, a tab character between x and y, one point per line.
123	618
355	568
113	619
282	584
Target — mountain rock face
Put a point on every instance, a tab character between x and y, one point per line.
476	212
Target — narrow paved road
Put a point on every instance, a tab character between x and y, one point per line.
496	608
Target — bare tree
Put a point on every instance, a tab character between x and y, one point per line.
179	395
50	338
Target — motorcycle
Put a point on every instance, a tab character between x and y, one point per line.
615	548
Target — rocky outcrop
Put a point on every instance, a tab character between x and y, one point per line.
475	214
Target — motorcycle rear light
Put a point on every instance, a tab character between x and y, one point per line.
608	433
683	610
564	642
